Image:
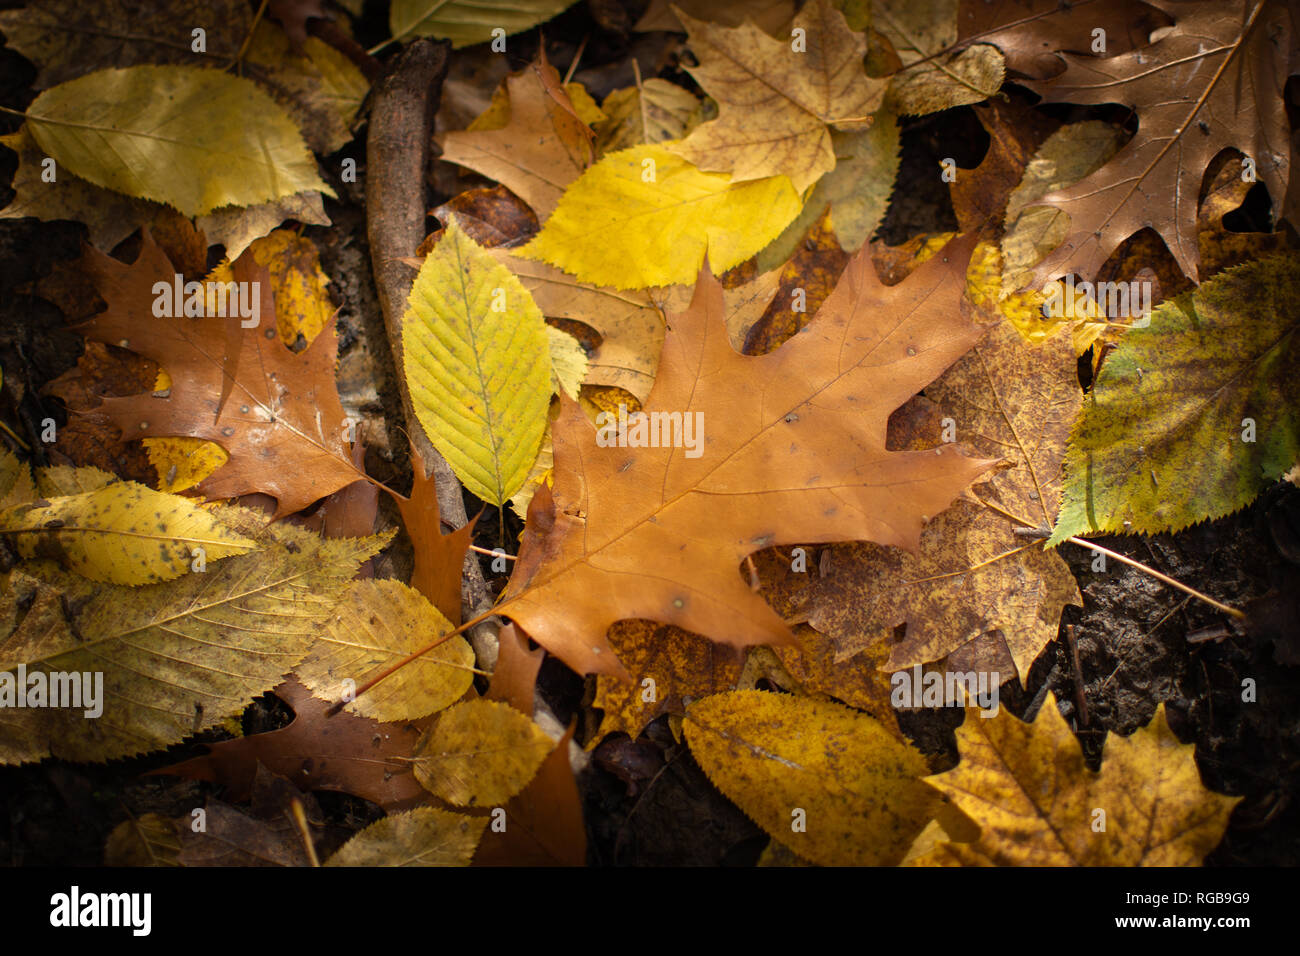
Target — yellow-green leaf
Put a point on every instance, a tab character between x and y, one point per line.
465	22
830	783
425	836
645	217
1193	415
477	362
122	533
375	625
480	753
57	480
194	138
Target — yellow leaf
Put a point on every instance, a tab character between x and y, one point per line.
480	753
58	480
148	840
568	362
833	785
193	138
477	360
497	115
375	625
173	658
182	462
645	217
122	533
1037	804
425	836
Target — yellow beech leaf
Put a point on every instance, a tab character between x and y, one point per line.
478	364
778	99
122	533
1037	804
645	217
653	112
833	785
568	362
425	836
375	625
193	138
154	664
480	753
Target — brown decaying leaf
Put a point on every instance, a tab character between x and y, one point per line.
515	675
769	15
793	450
1214	81
351	754
973	575
490	215
438	557
1030	32
281	421
267	835
543	148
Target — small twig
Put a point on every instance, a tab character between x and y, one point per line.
1166	579
1080	702
300	821
257	18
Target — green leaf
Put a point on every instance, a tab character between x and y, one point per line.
194	138
175	657
465	22
477	361
122	533
645	217
1165	439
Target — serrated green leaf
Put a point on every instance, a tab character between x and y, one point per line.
476	355
175	657
1194	414
194	138
645	217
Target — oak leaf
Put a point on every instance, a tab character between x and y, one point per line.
792	450
777	101
542	149
1038	804
282	424
1213	81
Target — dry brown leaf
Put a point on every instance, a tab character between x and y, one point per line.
793	442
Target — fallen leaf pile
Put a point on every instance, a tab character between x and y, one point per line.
776	490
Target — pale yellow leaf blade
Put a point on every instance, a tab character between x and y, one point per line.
425	836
